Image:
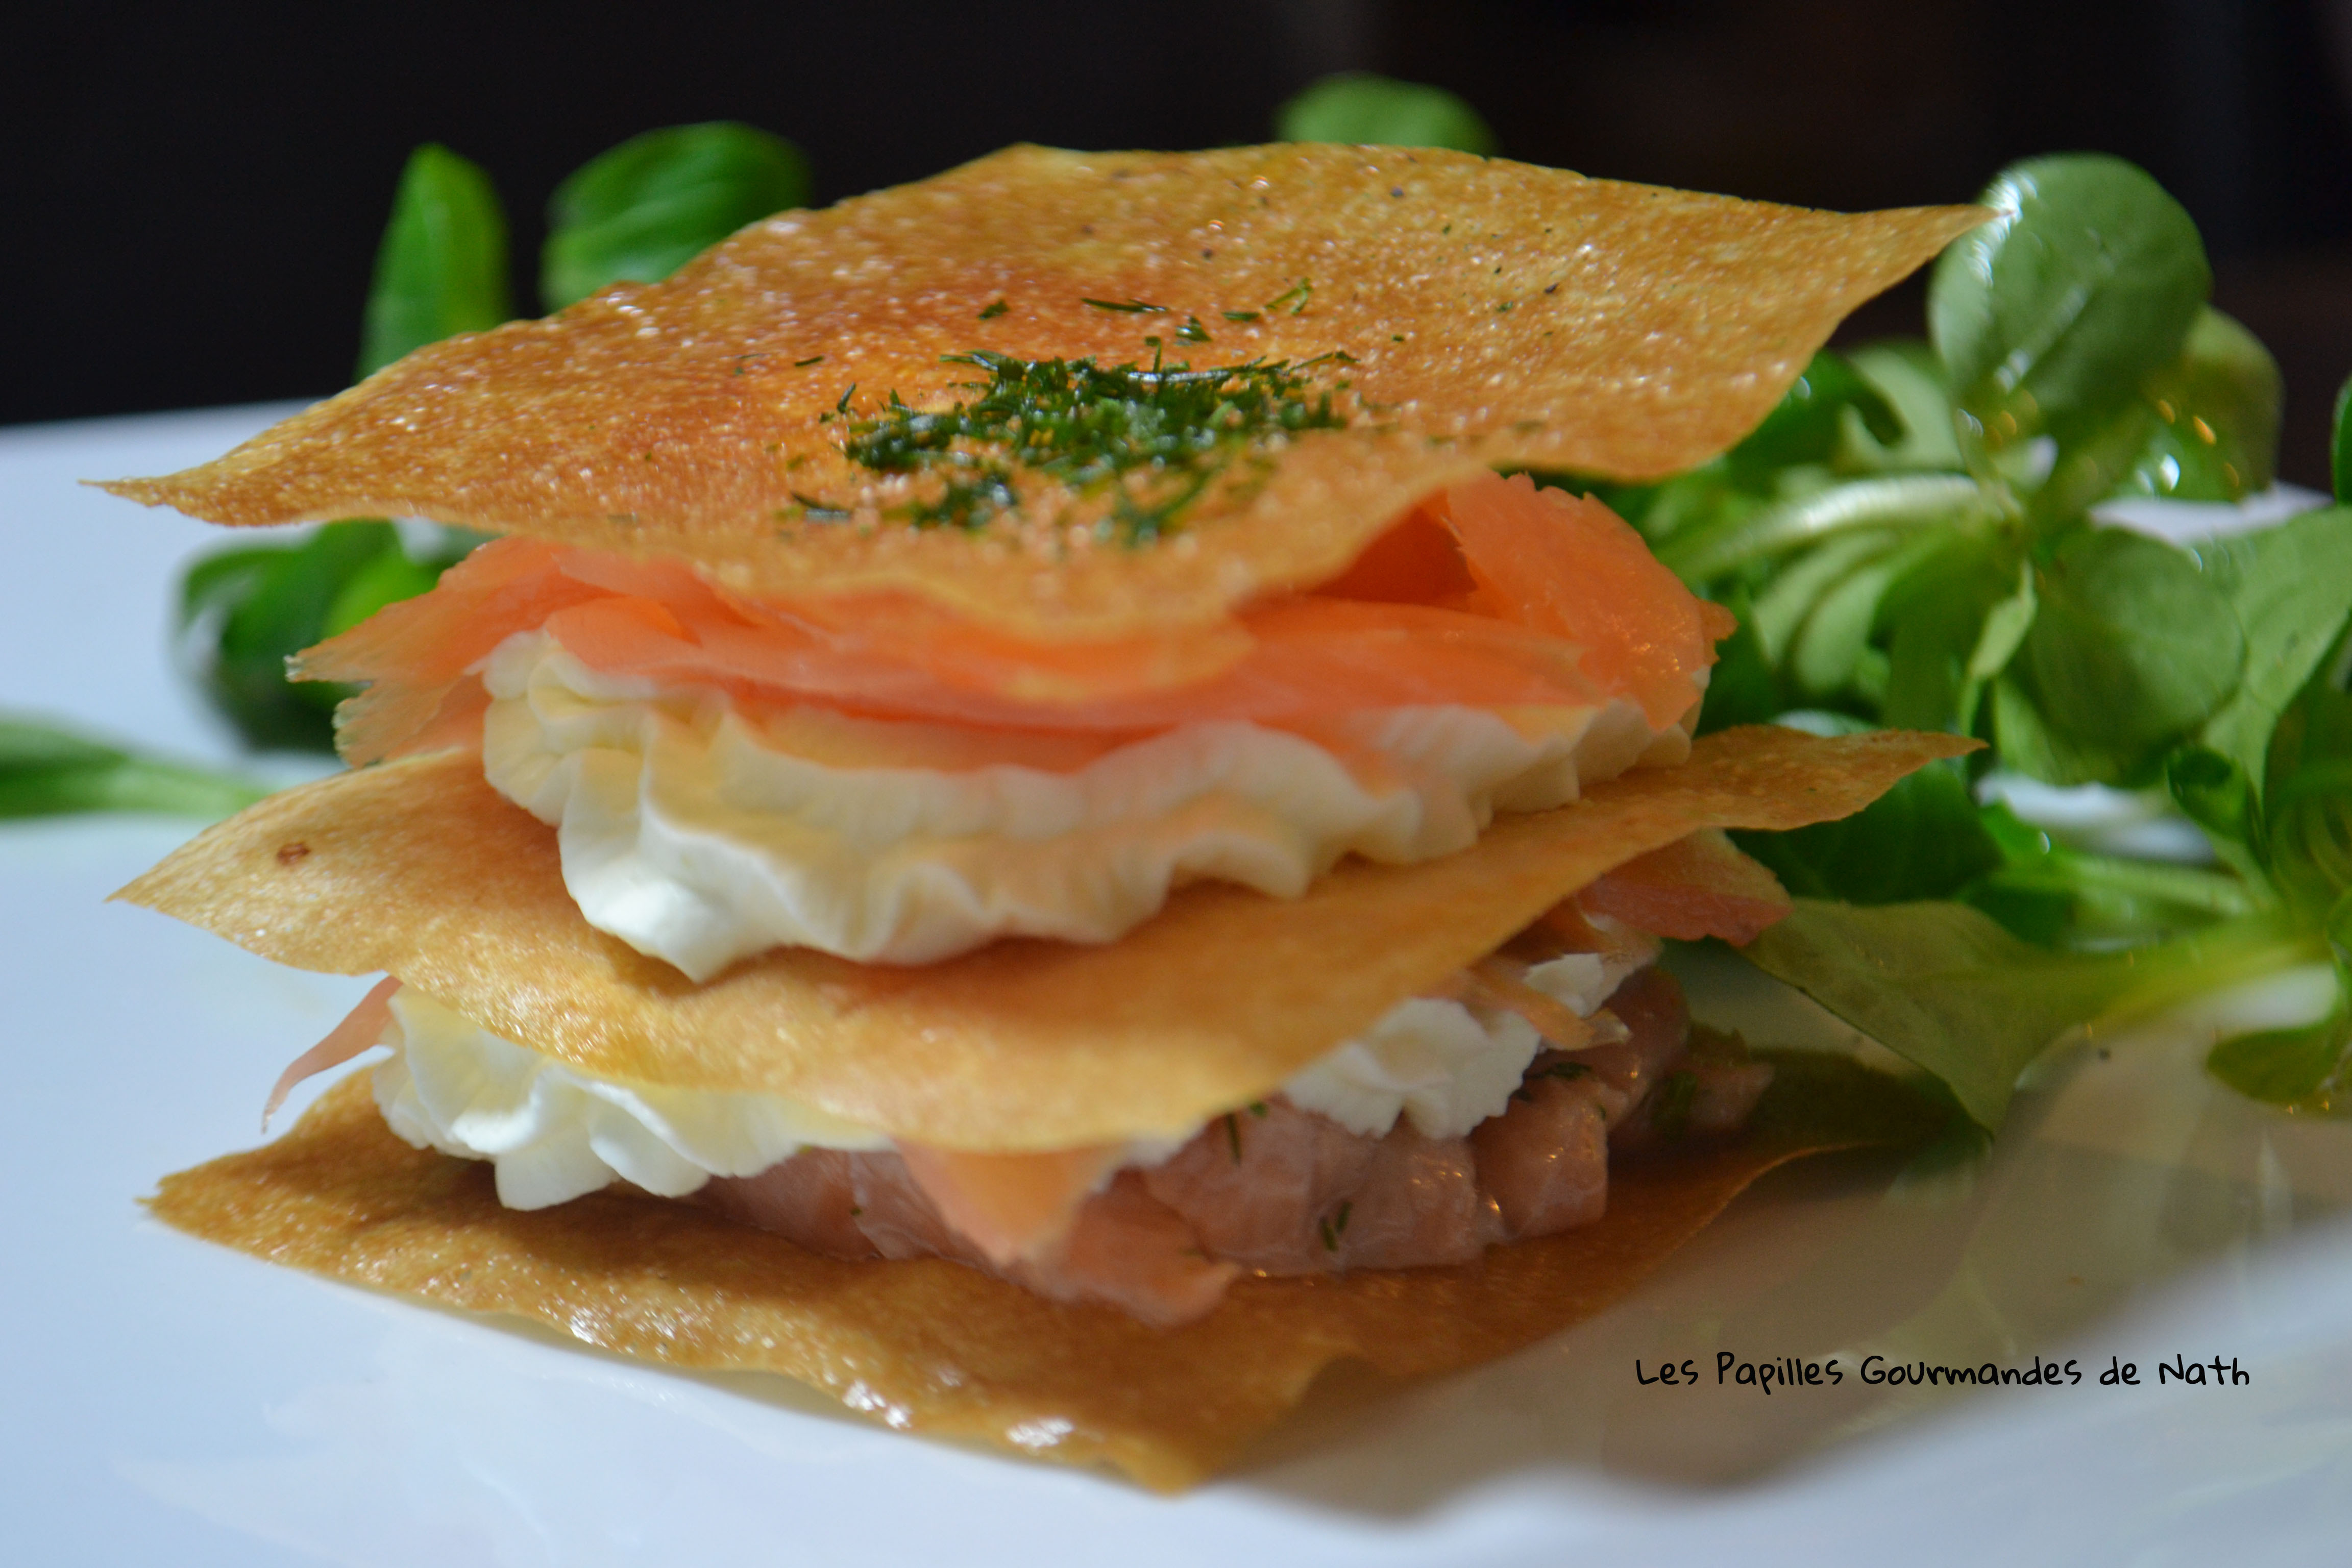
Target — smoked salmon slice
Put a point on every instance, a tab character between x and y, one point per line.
1011	1207
1493	594
1696	887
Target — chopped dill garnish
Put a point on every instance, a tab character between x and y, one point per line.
1241	315
1258	1108
818	511
1566	1071
804	364
1151	440
1128	307
1234	1136
1295	297
1334	1226
992	312
1671	1115
1192	331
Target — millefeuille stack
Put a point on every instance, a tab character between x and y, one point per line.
677	465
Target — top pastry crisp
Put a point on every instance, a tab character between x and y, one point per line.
1494	314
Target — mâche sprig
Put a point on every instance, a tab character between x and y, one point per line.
1908	540
51	770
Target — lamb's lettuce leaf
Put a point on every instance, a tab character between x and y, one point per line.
2132	648
643	209
245	611
2339	448
442	267
2216	431
1356	105
2295	1066
1949	989
2290	589
2051	316
48	770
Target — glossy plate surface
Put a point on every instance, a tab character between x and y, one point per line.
171	1402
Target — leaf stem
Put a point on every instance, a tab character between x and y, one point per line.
1902	501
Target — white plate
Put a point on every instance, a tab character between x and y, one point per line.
169	1402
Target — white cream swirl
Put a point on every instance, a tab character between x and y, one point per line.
699	832
555	1133
1442	1065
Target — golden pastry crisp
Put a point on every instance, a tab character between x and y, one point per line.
934	1347
1493	314
419	869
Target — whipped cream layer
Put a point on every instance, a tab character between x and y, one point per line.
554	1132
701	832
1448	1065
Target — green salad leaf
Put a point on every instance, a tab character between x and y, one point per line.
2339	448
245	611
1743	688
2052	315
2294	1066
2290	589
1908	540
1942	985
2216	431
2304	841
2133	647
442	267
2057	896
1356	105
1809	421
1922	840
1947	988
46	770
643	209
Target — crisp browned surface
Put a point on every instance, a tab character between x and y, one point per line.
1499	313
417	868
942	1348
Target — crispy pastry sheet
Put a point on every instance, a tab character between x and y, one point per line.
418	869
1496	313
934	1347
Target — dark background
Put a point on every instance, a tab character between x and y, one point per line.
192	192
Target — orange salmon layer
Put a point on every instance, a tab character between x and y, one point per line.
1489	594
